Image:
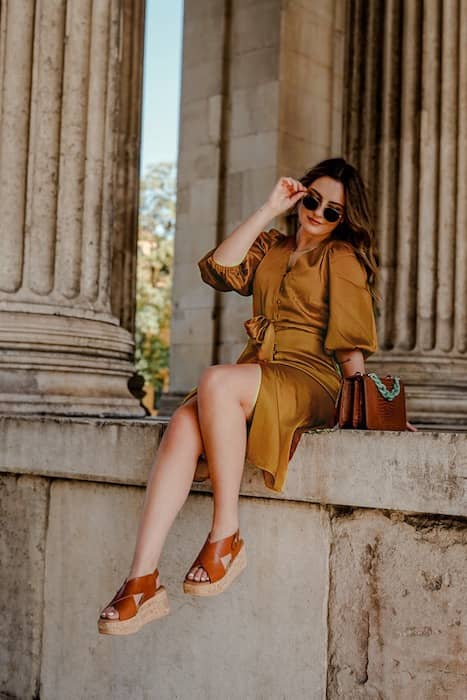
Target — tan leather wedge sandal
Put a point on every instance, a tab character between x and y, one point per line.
134	613
211	559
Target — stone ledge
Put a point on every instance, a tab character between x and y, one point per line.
422	472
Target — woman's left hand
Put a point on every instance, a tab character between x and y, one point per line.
411	427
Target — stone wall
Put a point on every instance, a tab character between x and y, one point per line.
355	584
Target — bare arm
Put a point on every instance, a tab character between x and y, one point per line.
350	361
233	249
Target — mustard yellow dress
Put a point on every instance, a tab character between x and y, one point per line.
301	316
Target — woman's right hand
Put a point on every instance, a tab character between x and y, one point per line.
285	194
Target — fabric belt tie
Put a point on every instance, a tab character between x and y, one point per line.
261	330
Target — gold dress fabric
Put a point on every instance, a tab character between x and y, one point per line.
300	317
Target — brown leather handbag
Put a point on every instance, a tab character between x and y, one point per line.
369	402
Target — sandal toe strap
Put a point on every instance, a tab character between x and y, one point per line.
123	600
210	555
126	607
214	567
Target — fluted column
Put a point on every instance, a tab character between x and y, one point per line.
405	128
126	182
69	141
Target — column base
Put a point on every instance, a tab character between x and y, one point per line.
65	365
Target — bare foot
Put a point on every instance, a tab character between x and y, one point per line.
111	613
198	573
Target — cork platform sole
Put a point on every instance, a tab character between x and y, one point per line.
152	609
206	588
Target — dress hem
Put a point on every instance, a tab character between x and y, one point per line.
269	471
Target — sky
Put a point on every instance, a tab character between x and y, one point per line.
161	81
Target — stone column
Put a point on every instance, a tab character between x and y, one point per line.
70	77
261	98
405	127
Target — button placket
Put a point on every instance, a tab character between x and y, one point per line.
276	314
282	284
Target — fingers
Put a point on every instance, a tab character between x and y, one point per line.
286	194
299	195
293	186
295	190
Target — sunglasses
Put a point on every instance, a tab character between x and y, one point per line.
312	203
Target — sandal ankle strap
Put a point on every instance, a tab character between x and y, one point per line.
142	584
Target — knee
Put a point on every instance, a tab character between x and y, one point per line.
213	379
182	418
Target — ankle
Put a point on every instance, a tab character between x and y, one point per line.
223	530
138	571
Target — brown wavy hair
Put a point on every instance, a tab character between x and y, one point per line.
356	226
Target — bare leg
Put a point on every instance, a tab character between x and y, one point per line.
167	489
172	473
226	398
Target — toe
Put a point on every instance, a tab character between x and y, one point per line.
197	573
191	573
202	574
110	613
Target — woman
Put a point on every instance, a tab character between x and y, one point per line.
314	298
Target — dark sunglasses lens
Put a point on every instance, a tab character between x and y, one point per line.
310	202
331	215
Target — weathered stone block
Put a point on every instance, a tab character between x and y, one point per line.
397	615
270	620
23	508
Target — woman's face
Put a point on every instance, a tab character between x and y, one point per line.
329	193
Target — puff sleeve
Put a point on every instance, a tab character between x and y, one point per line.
238	278
351	320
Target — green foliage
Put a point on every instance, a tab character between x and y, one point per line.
154	274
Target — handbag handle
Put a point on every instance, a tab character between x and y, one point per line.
383	390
